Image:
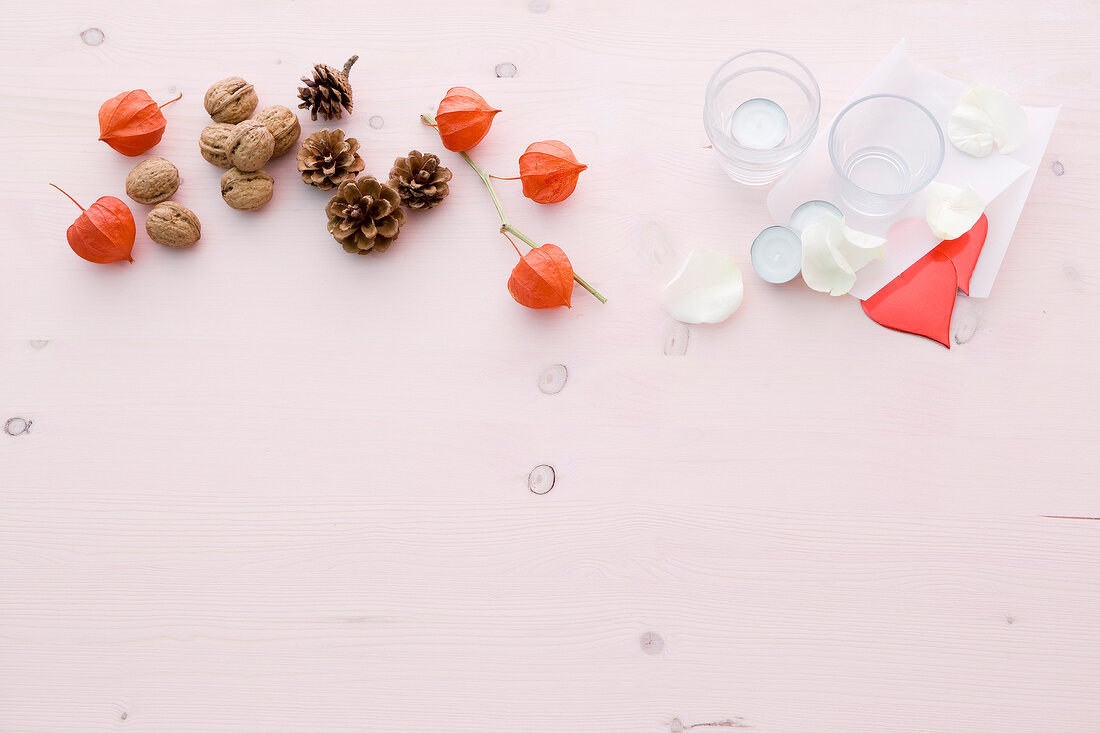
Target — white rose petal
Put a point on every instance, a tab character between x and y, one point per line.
832	253
952	211
1009	118
708	289
985	117
971	131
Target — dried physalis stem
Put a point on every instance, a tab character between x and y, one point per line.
132	122
104	232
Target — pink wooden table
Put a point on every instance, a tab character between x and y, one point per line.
267	486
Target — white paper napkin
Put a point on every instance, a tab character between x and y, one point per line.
1004	212
1002	180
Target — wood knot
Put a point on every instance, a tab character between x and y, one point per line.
18	426
553	378
541	479
651	643
92	36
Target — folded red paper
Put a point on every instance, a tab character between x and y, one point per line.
921	299
964	251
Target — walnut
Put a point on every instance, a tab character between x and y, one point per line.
231	100
152	181
172	225
283	124
246	190
249	146
212	143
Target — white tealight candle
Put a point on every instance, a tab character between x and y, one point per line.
776	254
759	124
809	212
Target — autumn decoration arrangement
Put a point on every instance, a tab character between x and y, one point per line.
132	123
365	214
244	144
961	219
544	277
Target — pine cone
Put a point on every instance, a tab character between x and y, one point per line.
420	179
326	159
365	215
327	91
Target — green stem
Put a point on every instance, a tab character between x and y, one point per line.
485	179
505	225
519	235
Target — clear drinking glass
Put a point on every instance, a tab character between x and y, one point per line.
885	148
761	113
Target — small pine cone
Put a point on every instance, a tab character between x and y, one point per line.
327	91
420	179
365	215
327	159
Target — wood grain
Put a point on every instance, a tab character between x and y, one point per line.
269	487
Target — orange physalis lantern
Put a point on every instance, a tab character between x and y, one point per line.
132	122
463	119
549	171
104	232
543	278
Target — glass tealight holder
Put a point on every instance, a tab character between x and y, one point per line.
885	148
761	112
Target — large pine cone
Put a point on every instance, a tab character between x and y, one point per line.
327	91
365	215
420	179
326	159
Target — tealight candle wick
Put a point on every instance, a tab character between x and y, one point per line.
777	254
